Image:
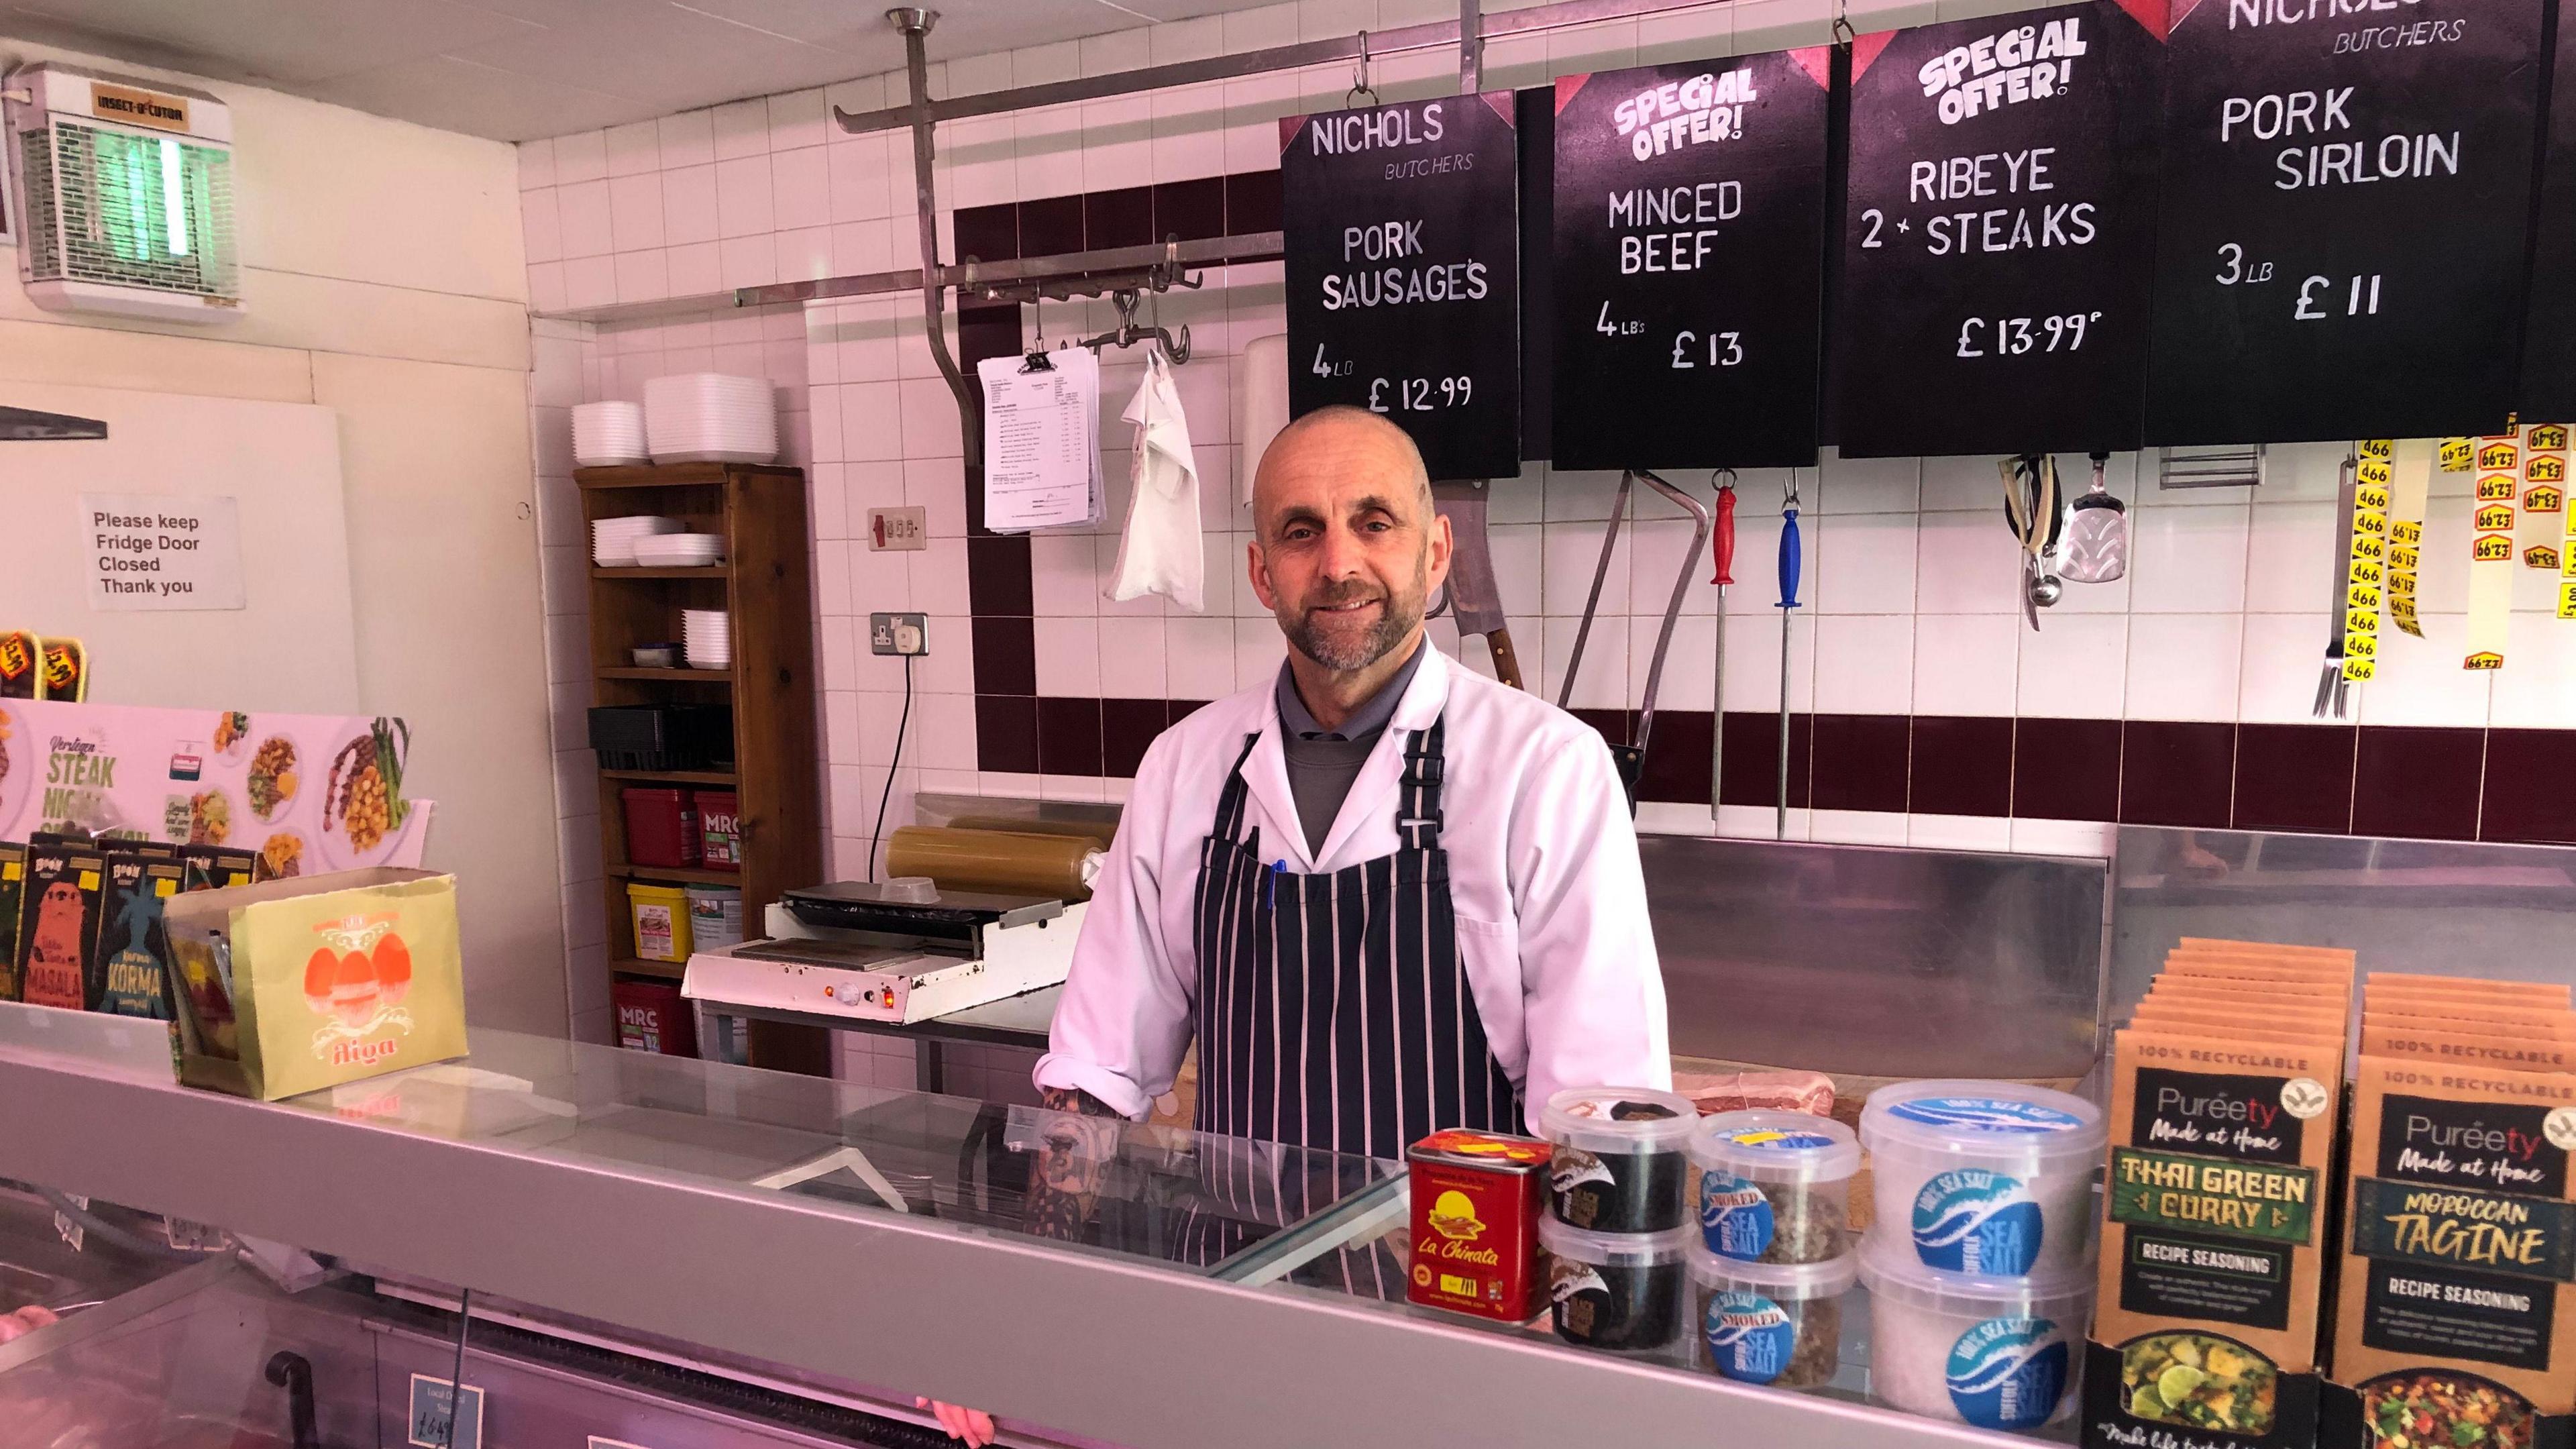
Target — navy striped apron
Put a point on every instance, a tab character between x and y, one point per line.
1333	1009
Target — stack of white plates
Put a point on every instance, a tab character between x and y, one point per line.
679	550
708	417
612	540
606	434
707	641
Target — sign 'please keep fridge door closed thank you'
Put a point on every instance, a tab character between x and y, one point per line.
1403	249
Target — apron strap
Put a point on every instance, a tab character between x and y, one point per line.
1230	804
1417	816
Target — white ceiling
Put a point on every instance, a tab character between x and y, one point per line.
518	69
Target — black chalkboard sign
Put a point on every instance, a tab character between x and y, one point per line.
2347	190
2549	336
1689	262
1998	227
1403	277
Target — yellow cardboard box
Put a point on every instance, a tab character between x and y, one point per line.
294	985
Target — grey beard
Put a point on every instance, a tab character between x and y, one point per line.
1392	625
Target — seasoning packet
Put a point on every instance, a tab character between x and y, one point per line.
131	946
2539	993
2456	1323
214	867
2214	1264
13	887
22	658
2549	1025
57	919
2508	1053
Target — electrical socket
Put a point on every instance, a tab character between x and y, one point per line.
899	633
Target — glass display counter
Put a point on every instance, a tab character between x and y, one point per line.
1113	1282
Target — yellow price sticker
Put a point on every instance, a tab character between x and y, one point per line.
2357	669
165	887
89	880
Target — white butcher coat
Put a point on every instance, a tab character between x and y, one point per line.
1543	877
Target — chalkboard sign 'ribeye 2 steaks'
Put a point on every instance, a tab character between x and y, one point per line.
2347	187
1689	254
1998	234
1403	241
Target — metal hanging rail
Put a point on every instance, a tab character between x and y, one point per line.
1152	267
1437	35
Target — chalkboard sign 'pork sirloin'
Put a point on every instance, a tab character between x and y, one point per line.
1403	242
2347	192
1689	262
1997	233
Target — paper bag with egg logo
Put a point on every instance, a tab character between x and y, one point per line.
337	977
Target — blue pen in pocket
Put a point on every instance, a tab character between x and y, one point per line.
1270	884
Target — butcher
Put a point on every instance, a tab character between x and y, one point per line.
1382	894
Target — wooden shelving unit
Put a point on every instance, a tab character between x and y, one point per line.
765	583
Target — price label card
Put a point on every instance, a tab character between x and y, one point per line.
1998	231
1403	242
2549	337
2347	191
438	1422
1689	262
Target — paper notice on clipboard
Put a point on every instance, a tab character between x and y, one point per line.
1041	441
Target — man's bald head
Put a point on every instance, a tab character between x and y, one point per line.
1345	440
1347	545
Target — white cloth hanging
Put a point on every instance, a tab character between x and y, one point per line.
1160	552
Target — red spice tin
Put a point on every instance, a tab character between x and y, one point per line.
1477	1199
719	828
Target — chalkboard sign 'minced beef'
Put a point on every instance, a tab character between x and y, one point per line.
1998	233
1403	242
1689	253
2347	191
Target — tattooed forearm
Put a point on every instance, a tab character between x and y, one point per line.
1066	1183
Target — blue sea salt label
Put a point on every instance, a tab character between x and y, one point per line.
1749	1337
1734	1216
1985	1114
2008	1373
1977	1220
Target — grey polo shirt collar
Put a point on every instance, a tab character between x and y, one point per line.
1364	722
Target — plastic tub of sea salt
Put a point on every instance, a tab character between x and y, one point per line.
1996	1352
1985	1177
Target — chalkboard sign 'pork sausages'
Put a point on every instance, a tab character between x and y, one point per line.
1403	239
1690	220
2347	188
1998	231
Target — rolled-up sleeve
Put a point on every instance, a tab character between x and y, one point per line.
1124	1019
1592	988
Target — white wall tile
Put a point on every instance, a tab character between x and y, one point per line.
1863	563
1865	664
798	120
689	211
745	204
2185	666
582	156
1132	658
1064	577
541	225
686	139
1860	485
635	211
695	270
2536	689
633	149
585	225
800	189
1752	682
1967	563
2189	560
1690	661
1201	665
1068	652
741	128
1967	664
748	261
2075	667
643	276
1258	649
